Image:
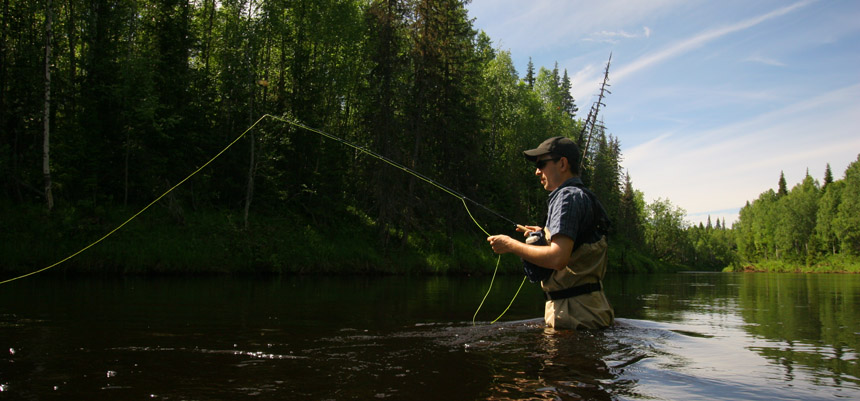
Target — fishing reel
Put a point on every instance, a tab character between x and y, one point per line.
534	272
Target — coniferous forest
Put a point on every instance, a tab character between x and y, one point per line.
107	104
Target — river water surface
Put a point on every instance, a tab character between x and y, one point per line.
678	337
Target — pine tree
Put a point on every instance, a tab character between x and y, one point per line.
783	190
630	215
445	119
530	74
383	109
828	177
567	102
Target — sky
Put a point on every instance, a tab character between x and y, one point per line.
711	100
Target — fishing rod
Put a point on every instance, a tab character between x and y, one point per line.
397	165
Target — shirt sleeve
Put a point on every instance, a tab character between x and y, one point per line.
566	212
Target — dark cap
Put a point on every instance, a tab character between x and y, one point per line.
559	146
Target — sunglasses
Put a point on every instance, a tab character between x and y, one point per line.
542	163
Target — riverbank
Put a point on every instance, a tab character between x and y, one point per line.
830	264
207	242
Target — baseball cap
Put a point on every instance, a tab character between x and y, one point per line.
557	145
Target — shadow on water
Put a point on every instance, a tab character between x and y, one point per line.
679	337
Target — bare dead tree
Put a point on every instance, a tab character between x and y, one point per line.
590	122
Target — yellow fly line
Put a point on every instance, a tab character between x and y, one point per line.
138	213
329	136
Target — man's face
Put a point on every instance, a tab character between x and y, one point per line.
549	171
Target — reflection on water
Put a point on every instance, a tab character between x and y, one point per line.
683	336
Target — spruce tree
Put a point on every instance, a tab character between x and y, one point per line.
444	115
383	109
567	102
782	190
631	212
530	74
828	177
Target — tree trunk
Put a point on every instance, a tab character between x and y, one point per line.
128	128
3	35
249	191
46	144
70	26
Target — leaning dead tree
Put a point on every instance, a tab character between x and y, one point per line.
590	123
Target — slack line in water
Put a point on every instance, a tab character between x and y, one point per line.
373	154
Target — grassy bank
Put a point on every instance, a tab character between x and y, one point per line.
217	242
208	242
829	264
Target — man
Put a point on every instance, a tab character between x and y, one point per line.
576	250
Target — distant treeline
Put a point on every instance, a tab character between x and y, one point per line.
105	104
814	227
814	224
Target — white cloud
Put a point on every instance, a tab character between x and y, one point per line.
546	24
764	60
720	169
616	36
699	40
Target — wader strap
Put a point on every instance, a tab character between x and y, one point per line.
573	291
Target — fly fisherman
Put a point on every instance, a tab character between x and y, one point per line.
569	255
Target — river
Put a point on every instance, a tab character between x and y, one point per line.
713	336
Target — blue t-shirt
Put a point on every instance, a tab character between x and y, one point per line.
570	212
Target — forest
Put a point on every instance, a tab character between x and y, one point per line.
107	104
813	225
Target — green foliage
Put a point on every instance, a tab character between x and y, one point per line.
147	91
664	230
809	226
847	222
711	248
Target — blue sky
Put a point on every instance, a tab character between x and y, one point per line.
710	99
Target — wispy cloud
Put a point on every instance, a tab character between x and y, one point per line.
544	24
615	37
701	39
722	168
764	60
